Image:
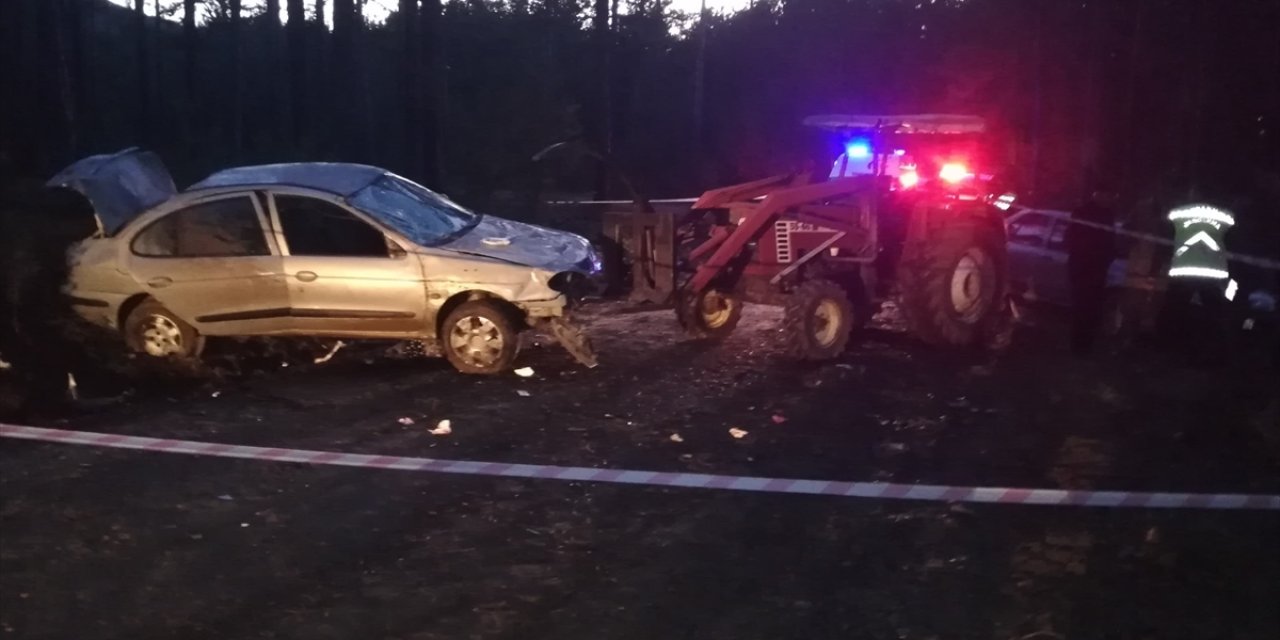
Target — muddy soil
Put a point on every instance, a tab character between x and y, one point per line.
116	544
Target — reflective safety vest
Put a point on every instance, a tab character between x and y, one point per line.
1199	248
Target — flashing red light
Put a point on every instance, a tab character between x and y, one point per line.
909	179
954	172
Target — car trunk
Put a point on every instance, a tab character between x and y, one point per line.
119	186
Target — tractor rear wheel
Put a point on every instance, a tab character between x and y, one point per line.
711	314
953	283
818	320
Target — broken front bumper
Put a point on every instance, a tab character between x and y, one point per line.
570	336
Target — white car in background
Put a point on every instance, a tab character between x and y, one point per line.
1038	256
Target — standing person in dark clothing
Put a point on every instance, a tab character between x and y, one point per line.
1090	250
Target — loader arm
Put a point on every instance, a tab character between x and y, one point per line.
757	222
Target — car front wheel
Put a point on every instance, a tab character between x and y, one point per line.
480	337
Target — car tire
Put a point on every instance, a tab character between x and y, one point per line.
711	314
953	283
818	319
480	337
153	330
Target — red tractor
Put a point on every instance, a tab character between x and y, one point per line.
904	213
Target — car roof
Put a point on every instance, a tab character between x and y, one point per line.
337	178
1051	213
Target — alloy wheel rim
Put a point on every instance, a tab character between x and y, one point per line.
477	340
161	336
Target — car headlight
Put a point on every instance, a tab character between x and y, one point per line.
592	264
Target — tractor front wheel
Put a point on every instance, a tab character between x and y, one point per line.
710	314
953	284
818	319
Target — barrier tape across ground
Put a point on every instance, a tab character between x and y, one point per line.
879	490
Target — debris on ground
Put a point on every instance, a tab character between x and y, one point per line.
73	391
522	393
225	497
4	365
443	428
215	394
737	433
675	437
778	418
329	356
406	421
524	372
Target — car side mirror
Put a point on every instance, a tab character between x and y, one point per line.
395	250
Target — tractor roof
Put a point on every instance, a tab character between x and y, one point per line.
946	123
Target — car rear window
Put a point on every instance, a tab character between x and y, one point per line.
220	228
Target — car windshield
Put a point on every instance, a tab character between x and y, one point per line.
423	216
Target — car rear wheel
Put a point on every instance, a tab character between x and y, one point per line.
153	330
480	337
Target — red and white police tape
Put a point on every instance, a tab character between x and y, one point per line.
881	490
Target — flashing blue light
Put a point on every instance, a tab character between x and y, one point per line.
858	149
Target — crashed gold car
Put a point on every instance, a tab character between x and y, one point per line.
315	249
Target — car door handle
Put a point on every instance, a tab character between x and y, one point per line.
306	276
160	282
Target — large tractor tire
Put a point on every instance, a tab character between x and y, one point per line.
953	283
818	319
711	314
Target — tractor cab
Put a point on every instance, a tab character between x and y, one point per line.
940	155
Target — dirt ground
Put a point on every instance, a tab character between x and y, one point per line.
117	544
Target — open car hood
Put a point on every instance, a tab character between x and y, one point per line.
119	185
526	244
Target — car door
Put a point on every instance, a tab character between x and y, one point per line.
213	263
345	276
1028	256
1053	274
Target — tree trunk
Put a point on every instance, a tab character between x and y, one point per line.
143	112
276	88
411	87
296	33
62	21
76	72
237	81
600	129
433	83
189	56
344	114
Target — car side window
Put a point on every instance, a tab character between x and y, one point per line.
313	227
219	228
1030	229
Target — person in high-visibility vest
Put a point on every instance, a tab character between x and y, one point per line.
1198	253
1200	283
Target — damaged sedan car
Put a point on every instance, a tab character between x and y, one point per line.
315	249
